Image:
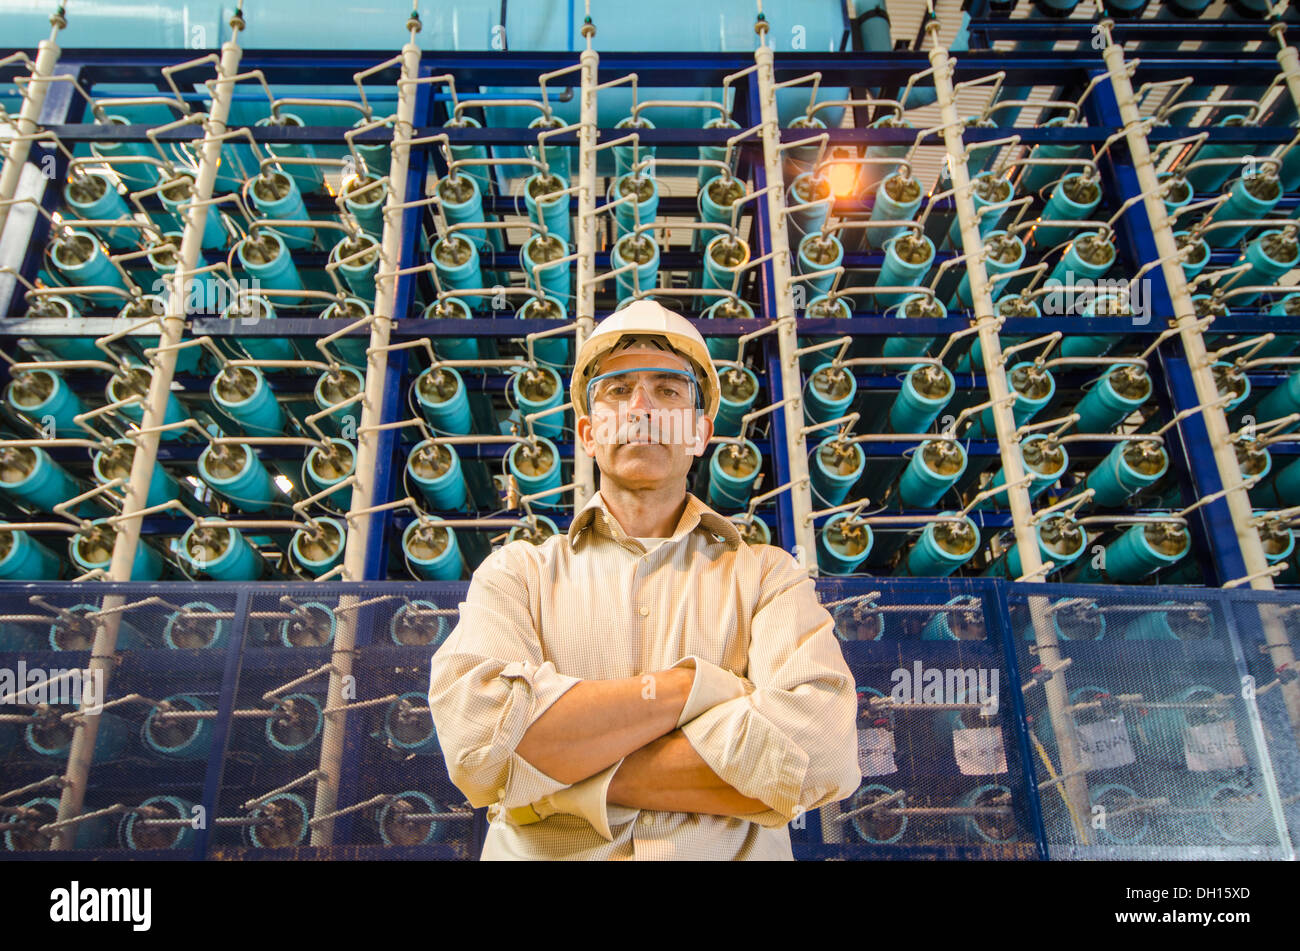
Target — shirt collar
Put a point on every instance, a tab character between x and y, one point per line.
695	515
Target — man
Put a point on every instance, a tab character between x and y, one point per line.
645	686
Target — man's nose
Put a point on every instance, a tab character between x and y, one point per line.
640	398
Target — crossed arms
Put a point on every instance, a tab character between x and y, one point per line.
515	730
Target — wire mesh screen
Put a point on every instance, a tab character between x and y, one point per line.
1140	727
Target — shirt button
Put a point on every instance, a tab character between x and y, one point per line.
647	819
644	611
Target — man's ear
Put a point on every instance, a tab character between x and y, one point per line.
583	429
703	433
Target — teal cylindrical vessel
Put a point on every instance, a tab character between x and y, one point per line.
53	738
1282	400
253	308
1060	540
148	308
444	401
462	203
644	253
204	293
1002	253
396	829
327	467
877	828
1043	462
29	474
246	397
23	558
420	623
1270	255
1036	177
843	545
934	468
1285	344
435	470
927	390
914	306
1119	392
724	258
136	176
320	551
942	548
807	188
537	389
460	153
448	347
1238	815
334	390
309	178
1130	825
136	382
25	836
55	307
76	630
755	532
92	550
296	725
80	259
92	195
219	552
553	351
829	393
988	191
533	534
116	462
287	822
639	211
1277	539
276	195
966	625
1162	739
188	738
456	260
1074	198
365	198
1197	258
558	158
552	279
1250	197
351	347
1034	388
1284	489
180	190
897	199
1209	178
718	195
238	475
907	260
546	206
408	726
313	625
818	252
890	121
45	397
739	389
191	628
733	470
432	550
1088	256
1228	379
835	469
359	273
1140	551
536	468
136	835
714	153
626	156
727	308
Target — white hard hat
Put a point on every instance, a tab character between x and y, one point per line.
645	318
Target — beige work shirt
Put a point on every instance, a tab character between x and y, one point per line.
594	604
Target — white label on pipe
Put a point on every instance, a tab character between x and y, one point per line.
876	752
1210	746
979	751
1105	744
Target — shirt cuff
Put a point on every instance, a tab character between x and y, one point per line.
751	755
711	686
535	689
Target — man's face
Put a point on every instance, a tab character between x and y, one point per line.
644	431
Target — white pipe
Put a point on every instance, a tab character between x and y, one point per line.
805	538
47	57
363	491
584	465
146	452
